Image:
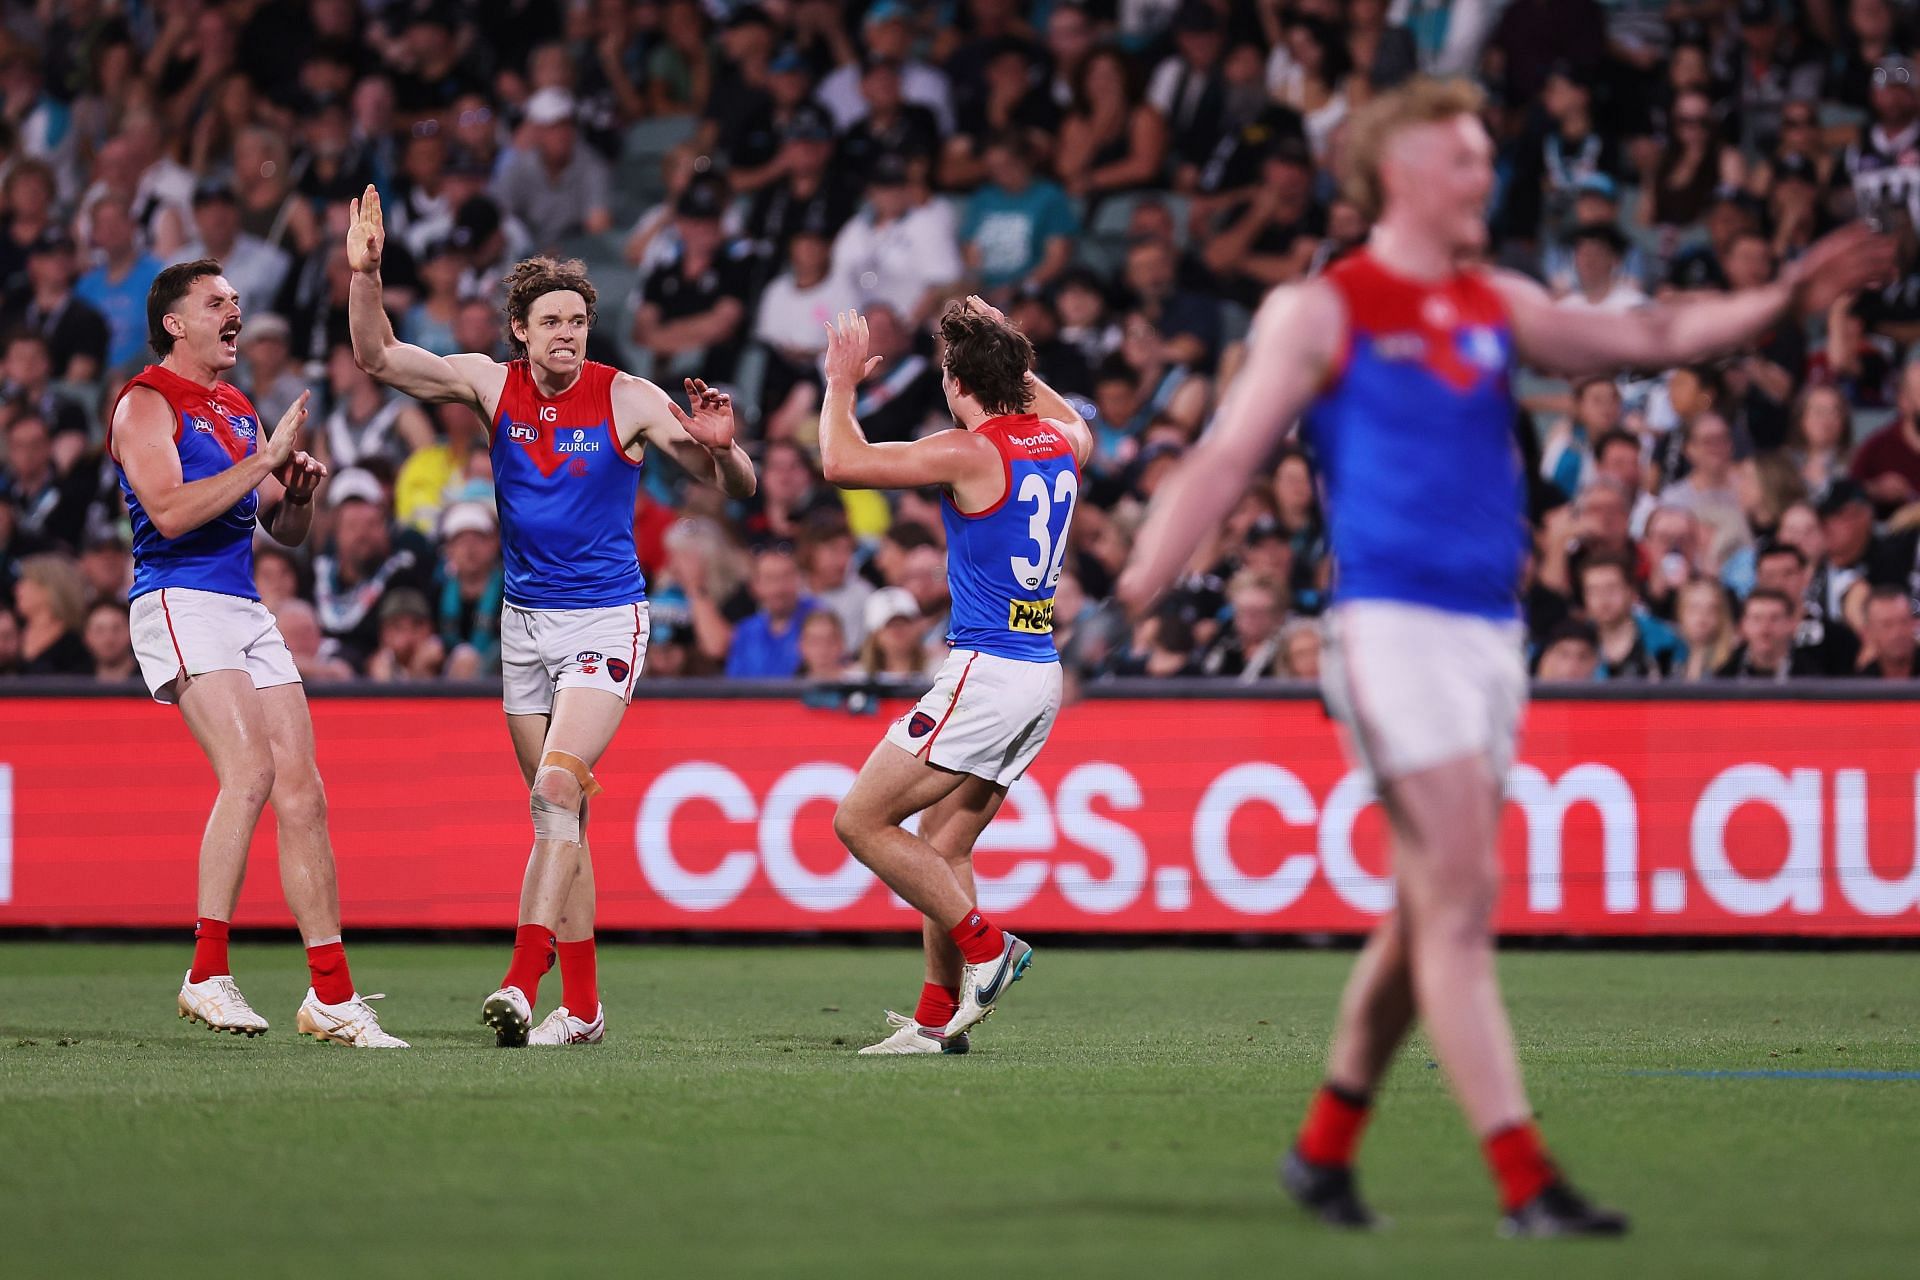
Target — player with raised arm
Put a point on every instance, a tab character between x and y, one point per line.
567	435
1011	476
197	479
1400	357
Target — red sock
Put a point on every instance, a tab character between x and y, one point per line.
331	980
936	1006
1519	1163
1335	1120
579	979
209	949
978	938
532	957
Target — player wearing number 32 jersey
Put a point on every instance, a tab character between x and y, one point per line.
567	436
1011	476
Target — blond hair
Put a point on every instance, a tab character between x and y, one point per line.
1422	100
60	578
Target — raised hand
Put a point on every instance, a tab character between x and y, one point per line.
278	450
848	363
1854	257
301	476
366	232
977	303
711	421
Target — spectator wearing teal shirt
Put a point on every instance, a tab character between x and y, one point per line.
117	288
1017	231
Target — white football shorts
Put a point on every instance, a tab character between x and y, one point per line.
986	716
545	650
1416	687
179	632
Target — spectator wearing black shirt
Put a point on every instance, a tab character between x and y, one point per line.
904	395
438	69
361	565
1766	650
1273	238
891	124
806	188
692	310
1110	141
1188	322
76	334
52	602
1010	98
1773	365
1828	644
1249	646
1187	87
47	502
1889	652
755	146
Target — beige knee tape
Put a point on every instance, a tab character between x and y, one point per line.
559	822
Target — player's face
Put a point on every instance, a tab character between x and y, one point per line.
556	331
1445	173
209	323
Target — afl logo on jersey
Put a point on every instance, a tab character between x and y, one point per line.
202	424
1482	347
523	433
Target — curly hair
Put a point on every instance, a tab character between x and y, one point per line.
529	280
989	358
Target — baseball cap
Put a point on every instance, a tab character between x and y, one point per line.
404	602
888	603
1602	231
468	517
890	169
1840	495
212	190
788	60
475	221
355	484
1597	184
810	124
703	198
1290	149
266	326
1197	16
550	106
886	11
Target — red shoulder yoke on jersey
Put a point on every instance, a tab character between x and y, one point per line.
184	396
1381	304
1020	436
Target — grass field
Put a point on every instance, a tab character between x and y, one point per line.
1119	1118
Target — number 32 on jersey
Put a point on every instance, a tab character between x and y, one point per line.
1049	535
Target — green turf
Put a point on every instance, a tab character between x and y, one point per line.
1119	1118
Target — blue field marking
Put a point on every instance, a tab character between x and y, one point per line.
1836	1074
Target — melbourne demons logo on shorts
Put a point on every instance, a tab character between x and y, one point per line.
920	725
618	669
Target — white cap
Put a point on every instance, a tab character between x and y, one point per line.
550	106
468	517
355	484
888	603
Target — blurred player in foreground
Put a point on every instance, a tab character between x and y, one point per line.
1400	356
197	479
567	435
1011	476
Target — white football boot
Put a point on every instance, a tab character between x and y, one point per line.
560	1028
218	1003
510	1016
350	1022
910	1037
983	984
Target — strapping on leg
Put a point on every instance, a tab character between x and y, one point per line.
574	765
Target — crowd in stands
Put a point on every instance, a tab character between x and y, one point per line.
1126	178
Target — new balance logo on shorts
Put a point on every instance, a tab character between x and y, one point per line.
1034	616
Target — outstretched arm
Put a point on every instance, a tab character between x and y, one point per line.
955	459
1564	341
701	442
462	379
1295	339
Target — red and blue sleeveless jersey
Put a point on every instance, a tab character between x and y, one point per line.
1425	490
213	428
1004	563
566	491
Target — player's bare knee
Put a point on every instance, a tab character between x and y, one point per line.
852	823
300	798
250	785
